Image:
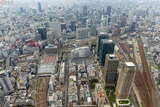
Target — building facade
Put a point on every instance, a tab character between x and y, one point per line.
111	74
106	47
125	80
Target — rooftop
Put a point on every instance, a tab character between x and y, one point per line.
130	64
107	41
2	72
49	59
112	56
123	102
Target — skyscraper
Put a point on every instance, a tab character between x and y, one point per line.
63	27
125	80
109	20
133	26
72	26
101	36
106	47
111	66
3	101
123	20
85	11
39	7
43	33
109	9
5	84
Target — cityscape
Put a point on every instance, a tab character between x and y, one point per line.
79	53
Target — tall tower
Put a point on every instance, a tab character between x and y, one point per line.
63	27
39	7
5	84
85	11
43	33
101	36
125	80
111	66
123	19
106	47
109	9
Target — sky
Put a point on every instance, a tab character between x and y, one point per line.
33	3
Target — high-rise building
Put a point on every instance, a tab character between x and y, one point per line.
101	36
82	33
123	20
133	26
109	20
63	27
83	21
39	7
125	80
43	33
72	26
85	11
5	84
109	9
93	30
3	101
111	74
106	47
22	10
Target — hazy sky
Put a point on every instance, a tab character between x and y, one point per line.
33	3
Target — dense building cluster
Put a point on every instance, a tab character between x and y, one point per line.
79	53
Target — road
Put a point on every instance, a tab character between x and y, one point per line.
66	80
78	85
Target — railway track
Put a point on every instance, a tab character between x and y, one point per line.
41	92
143	80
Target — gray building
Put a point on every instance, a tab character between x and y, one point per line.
111	74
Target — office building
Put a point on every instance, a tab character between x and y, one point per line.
72	26
101	36
93	31
106	47
2	63
111	74
109	9
115	30
3	102
42	33
133	26
85	11
51	49
83	21
109	20
22	10
123	20
125	80
82	33
63	27
39	7
5	84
